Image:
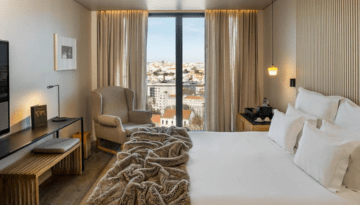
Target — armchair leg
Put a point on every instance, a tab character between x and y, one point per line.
107	150
98	147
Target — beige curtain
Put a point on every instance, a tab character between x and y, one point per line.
122	37
232	74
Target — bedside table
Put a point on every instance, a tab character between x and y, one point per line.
244	123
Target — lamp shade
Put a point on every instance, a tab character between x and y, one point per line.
273	70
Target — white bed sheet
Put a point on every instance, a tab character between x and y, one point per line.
248	168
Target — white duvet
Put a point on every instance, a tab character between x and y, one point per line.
248	168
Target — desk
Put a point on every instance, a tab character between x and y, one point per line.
19	140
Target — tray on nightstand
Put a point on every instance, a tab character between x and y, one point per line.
261	112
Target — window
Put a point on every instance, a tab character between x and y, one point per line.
152	92
176	67
194	78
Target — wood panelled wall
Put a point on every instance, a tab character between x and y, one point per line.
327	51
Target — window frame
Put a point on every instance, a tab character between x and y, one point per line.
179	54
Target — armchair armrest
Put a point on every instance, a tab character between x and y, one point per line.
140	116
110	121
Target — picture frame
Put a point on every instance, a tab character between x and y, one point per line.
65	53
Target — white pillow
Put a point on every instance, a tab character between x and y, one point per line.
284	130
291	110
352	175
348	116
323	157
317	104
298	113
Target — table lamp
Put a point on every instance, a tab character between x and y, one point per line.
58	118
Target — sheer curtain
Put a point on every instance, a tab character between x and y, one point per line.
232	73
122	37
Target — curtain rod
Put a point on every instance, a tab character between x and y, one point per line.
175	11
191	11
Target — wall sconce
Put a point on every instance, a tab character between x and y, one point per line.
272	70
292	82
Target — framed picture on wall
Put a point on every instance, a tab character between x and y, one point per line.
64	53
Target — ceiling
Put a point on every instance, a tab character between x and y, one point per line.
96	5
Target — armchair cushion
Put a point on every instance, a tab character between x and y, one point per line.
109	121
140	116
133	127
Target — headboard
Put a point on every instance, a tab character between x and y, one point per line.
327	40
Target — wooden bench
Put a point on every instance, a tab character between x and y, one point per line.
20	180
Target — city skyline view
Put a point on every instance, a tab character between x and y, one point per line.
161	72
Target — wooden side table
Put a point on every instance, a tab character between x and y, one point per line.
87	143
244	123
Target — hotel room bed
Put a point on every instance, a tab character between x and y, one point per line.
245	167
249	168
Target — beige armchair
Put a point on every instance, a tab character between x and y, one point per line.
114	115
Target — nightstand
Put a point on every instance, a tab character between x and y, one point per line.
244	123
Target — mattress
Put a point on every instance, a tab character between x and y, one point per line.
249	168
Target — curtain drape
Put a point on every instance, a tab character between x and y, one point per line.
122	37
232	73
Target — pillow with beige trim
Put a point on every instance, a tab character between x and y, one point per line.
352	175
324	157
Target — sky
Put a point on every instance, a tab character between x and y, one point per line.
161	40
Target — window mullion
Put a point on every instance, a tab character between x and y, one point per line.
179	73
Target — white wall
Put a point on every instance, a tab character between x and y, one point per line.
29	26
277	88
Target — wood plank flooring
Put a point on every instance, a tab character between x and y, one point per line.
105	170
71	189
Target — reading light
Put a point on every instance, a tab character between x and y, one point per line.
58	118
272	70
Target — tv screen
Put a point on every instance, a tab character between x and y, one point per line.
4	88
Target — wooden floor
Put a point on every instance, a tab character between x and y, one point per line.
70	190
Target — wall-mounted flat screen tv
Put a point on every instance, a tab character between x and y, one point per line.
4	88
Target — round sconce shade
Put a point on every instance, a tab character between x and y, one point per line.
273	70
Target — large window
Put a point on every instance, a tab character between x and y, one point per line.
176	70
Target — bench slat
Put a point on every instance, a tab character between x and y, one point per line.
36	164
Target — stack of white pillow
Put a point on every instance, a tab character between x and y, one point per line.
324	136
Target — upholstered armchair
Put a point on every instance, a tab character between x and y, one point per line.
114	115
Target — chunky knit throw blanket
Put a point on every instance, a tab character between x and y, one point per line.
151	169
